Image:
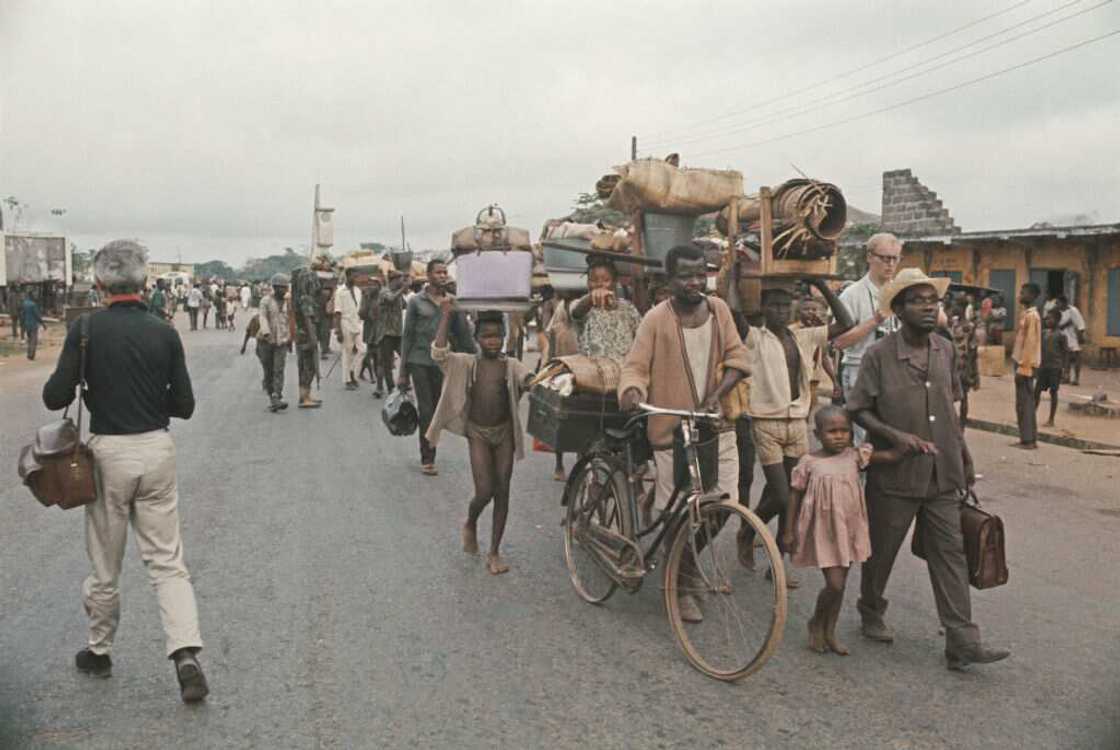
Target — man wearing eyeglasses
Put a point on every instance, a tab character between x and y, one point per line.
884	253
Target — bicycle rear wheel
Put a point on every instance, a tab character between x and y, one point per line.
597	500
744	610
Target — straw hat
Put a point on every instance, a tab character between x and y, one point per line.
905	279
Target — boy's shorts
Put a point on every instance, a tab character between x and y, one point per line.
1049	379
775	439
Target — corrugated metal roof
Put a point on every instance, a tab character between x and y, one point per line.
1093	230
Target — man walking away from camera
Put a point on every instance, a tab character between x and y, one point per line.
137	380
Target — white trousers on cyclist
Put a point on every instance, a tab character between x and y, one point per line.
727	481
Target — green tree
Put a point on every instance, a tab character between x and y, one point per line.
215	269
590	208
262	269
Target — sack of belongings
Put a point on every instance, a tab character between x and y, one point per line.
658	186
490	233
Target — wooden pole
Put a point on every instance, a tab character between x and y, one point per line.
766	229
633	148
732	233
404	245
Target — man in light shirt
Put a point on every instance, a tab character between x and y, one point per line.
348	329
781	396
884	253
1072	324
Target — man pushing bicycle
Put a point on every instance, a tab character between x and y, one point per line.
687	355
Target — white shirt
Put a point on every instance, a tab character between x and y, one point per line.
698	348
346	305
770	396
862	300
1072	316
194	297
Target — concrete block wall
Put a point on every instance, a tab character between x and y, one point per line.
910	209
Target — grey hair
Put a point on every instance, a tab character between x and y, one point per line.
121	266
876	241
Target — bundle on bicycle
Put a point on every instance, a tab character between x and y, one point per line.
608	544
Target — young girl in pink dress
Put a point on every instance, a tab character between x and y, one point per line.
826	524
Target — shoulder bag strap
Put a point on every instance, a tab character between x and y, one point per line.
83	346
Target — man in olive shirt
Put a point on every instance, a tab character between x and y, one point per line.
137	380
421	321
904	397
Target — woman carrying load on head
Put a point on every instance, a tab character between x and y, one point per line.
605	323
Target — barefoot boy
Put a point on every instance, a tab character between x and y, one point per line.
479	402
1055	356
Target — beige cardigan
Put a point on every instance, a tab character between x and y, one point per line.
458	377
657	365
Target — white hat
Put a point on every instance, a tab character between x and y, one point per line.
905	279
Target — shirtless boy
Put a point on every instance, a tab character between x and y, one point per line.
479	401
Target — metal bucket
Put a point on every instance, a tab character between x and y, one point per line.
662	232
556	257
402	261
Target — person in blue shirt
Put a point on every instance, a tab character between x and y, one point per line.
31	318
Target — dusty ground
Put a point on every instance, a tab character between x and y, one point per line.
339	612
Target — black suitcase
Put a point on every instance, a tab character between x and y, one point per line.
570	424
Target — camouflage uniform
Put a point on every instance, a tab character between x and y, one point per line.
305	307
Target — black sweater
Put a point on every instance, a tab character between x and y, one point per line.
136	372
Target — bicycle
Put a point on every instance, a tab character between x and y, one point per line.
604	549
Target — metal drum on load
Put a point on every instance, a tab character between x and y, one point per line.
662	232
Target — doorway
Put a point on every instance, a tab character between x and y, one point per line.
1053	282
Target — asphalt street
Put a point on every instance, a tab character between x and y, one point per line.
338	610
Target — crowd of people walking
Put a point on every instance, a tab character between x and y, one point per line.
891	447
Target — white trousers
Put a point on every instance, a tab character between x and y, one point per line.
728	477
353	352
137	484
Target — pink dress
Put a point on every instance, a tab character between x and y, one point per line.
831	527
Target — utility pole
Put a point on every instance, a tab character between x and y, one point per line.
633	148
314	225
404	245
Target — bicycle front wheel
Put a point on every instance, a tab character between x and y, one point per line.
597	501
742	610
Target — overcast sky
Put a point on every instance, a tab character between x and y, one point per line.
202	127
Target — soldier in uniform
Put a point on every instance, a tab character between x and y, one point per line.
326	308
305	314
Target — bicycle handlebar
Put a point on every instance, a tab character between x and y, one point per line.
658	411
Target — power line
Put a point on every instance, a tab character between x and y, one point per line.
923	97
861	68
799	110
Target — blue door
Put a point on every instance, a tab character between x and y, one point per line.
1041	276
1114	302
1004	281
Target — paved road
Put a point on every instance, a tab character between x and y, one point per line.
338	611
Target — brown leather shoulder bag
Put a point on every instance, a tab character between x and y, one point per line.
58	466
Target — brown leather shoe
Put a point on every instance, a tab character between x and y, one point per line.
877	631
975	654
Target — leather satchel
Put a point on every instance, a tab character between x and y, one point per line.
58	467
984	544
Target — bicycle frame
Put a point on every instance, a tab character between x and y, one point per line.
670	516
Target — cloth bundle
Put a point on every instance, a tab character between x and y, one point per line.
654	185
578	372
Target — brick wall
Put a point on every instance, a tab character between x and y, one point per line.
910	209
